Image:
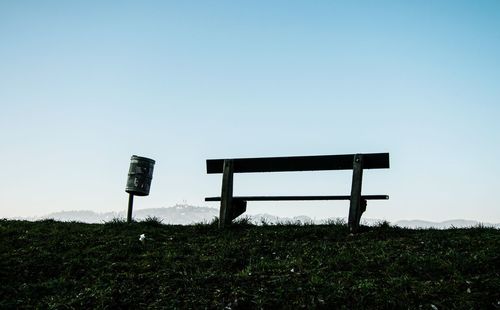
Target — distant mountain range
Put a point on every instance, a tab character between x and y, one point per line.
178	214
445	224
182	214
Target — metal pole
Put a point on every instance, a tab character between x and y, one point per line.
130	204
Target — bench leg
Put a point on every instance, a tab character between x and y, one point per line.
226	201
355	208
238	208
362	209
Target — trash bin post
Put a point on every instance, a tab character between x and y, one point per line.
130	205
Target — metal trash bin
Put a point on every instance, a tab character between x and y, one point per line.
140	175
139	179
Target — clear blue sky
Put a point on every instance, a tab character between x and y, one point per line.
86	84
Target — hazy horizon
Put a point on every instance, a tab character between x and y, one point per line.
182	214
144	213
86	85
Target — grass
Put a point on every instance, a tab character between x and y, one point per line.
49	264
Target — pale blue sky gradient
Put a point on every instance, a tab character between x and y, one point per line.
86	84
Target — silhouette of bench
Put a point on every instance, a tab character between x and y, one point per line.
232	207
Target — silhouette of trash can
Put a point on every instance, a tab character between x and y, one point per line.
140	175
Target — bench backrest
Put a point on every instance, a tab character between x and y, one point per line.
300	163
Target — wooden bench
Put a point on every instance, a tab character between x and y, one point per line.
232	207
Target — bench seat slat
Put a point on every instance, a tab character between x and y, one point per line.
291	198
300	163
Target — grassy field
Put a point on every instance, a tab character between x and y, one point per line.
50	264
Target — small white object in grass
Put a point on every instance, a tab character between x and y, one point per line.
434	307
142	238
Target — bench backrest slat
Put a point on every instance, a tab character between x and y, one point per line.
300	163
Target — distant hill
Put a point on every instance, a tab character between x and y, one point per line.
446	224
180	214
272	219
183	214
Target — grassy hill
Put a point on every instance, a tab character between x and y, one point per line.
52	264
